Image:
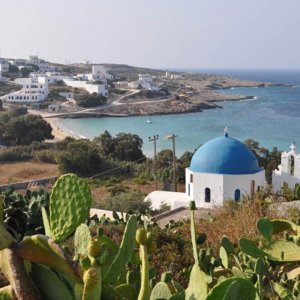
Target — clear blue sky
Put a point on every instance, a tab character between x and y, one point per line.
155	33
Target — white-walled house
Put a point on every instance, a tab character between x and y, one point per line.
176	76
42	64
4	67
145	81
90	87
33	90
100	72
288	172
17	61
221	169
54	77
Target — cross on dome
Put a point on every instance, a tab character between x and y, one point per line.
293	146
226	131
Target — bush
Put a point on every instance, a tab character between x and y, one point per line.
80	157
130	201
20	153
46	156
13	154
93	100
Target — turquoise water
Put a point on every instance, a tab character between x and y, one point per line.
272	118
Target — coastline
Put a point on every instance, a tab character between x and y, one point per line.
61	133
58	131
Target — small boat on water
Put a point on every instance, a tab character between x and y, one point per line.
149	121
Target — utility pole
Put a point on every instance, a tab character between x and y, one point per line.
154	139
173	137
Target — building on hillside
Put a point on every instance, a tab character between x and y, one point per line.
17	61
54	77
221	169
4	67
145	81
100	72
90	87
36	61
176	76
288	172
33	90
54	108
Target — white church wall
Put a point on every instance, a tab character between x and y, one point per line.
279	179
287	172
242	183
203	181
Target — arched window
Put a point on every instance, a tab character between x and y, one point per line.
207	194
292	165
237	195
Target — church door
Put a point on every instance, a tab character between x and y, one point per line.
237	195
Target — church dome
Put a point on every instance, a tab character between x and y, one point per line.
224	155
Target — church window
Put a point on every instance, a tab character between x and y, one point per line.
189	190
207	194
292	165
237	195
191	178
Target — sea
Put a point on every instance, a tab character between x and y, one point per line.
272	117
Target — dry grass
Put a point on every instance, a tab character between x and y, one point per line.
101	193
22	171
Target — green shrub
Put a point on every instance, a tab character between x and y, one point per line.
81	157
92	100
46	156
129	201
20	153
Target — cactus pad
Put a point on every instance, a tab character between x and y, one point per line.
70	203
197	288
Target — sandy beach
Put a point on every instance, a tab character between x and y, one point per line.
57	131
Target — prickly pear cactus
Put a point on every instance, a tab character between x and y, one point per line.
7	293
70	203
81	240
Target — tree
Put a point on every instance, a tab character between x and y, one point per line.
26	129
128	147
125	146
266	159
105	140
81	157
13	69
25	72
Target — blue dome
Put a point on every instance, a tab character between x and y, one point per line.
224	155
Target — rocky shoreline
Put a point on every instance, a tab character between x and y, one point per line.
189	93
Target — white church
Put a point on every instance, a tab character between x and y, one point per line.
288	172
225	169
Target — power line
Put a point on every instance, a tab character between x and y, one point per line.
114	169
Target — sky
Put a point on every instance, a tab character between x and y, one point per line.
217	34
